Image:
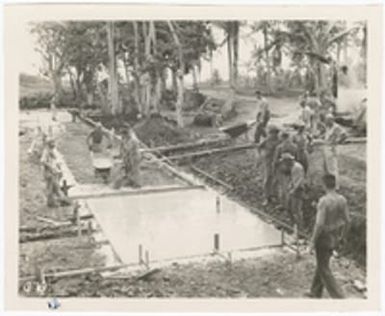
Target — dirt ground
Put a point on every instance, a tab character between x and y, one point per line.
59	254
283	276
276	274
243	172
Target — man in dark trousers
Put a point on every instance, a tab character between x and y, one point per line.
266	150
330	227
263	117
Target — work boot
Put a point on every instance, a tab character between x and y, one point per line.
309	295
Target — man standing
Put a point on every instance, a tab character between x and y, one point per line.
52	175
302	140
129	150
294	189
307	115
267	150
282	174
334	135
263	117
330	226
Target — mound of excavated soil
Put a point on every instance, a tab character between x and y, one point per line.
156	131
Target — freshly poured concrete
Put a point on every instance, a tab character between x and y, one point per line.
178	224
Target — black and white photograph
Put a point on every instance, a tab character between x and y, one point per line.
192	158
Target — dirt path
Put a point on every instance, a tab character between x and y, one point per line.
283	109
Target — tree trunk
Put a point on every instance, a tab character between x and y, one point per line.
235	38
147	82
174	81
72	83
230	59
113	80
194	78
211	68
364	52
137	86
180	73
267	60
345	50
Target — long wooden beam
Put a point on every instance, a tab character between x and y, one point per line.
211	177
212	151
162	149
136	192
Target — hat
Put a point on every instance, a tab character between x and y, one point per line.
258	92
50	141
272	129
287	156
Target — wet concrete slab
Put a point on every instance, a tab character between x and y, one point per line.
178	224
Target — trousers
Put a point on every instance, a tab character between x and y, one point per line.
323	277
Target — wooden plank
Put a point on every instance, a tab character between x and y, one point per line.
212	151
136	192
71	273
53	235
182	146
211	177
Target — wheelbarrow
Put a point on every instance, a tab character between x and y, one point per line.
238	129
102	163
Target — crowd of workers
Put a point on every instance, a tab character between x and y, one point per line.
285	163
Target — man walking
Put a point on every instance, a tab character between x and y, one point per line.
263	117
295	188
330	226
267	151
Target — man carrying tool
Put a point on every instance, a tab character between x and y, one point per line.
129	151
330	228
334	135
95	139
294	188
263	117
282	175
267	150
52	175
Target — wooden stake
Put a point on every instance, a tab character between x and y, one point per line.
216	242
147	255
140	254
218	204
